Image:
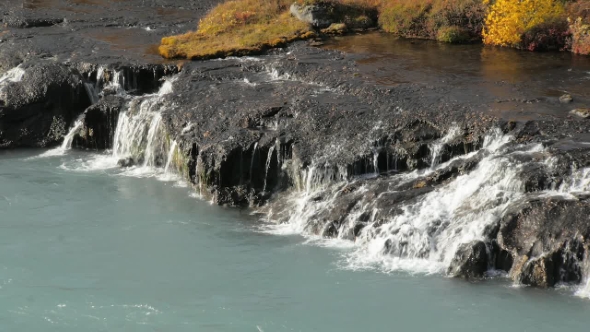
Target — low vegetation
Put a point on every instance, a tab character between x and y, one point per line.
239	27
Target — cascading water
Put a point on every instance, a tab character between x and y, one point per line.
425	234
139	139
171	152
584	289
437	147
13	75
267	167
252	160
139	135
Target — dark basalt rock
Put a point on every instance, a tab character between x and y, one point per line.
470	261
547	240
126	162
37	111
100	123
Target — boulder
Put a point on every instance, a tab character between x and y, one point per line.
316	15
547	239
470	261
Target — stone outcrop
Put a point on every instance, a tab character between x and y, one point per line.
37	110
547	239
470	261
100	122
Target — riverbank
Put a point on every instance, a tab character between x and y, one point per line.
242	27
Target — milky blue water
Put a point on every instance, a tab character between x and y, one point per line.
96	250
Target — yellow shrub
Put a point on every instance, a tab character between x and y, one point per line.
508	20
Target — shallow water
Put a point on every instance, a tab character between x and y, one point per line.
91	249
514	81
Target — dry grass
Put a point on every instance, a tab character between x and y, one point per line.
238	27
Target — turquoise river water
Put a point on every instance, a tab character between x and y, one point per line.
95	249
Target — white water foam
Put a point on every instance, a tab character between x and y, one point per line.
15	74
12	76
584	290
67	142
139	136
426	234
437	147
91	163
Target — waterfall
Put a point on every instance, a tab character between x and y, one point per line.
154	137
91	92
437	147
68	140
268	161
431	229
252	161
140	135
170	155
375	162
15	74
426	232
99	77
584	289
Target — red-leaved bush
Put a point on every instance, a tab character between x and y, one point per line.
547	36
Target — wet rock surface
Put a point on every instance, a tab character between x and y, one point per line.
36	109
100	123
470	261
548	237
402	168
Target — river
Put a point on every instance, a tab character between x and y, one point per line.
99	249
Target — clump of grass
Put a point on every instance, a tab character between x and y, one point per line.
405	18
433	19
238	27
